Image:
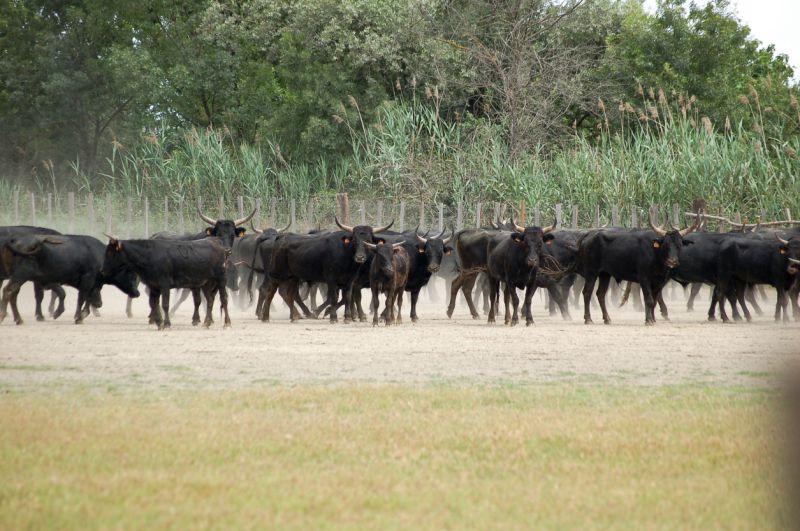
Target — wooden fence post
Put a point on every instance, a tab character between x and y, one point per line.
496	211
33	209
293	213
273	207
537	215
362	206
221	207
109	215
16	207
257	217
478	214
344	208
634	218
558	215
421	223
146	218
597	216
71	212
379	215
676	215
574	216
615	216
441	217
129	218
460	216
402	216
90	207
521	213
240	205
310	214
49	209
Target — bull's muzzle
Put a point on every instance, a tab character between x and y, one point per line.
532	262
672	263
360	258
433	268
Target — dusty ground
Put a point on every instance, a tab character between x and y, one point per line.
115	352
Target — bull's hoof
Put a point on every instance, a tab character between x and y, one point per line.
476	316
528	322
414	319
207	324
19	321
77	321
608	321
95	312
40	318
588	321
690	309
490	320
649	323
362	319
195	322
347	320
398	320
665	318
2	317
737	318
334	321
514	322
712	318
129	315
449	313
375	322
226	325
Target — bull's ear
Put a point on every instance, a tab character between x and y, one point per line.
516	236
548	238
657	243
783	249
421	248
687	242
448	251
380	241
209	231
346	239
240	231
396	250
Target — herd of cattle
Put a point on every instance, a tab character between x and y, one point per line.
340	263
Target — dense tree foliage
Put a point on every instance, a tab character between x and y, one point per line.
81	80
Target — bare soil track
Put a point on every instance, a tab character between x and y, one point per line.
115	352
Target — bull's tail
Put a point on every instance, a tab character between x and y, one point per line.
626	294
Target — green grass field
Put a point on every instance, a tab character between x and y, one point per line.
393	457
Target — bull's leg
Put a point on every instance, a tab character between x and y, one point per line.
269	294
588	288
38	295
155	312
83	297
723	292
414	297
223	304
196	302
333	291
515	304
602	287
713	306
183	296
494	288
374	303
555	293
357	309
57	294
209	290
165	309
794	294
577	290
506	299
466	289
455	285
739	291
694	290
530	289
750	296
649	303
389	306
10	293
399	297
662	305
780	305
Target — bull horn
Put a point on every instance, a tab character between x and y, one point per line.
111	237
446	240
420	239
384	229
281	231
516	227
245	219
370	245
550	228
493	224
205	218
255	229
794	261
397	245
659	230
783	242
348	228
693	227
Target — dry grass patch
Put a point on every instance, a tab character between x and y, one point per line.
391	456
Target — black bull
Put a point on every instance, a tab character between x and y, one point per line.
163	265
333	258
72	260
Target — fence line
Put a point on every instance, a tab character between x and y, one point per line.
78	214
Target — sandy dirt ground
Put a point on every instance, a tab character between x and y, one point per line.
115	352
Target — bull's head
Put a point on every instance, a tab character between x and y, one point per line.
115	269
271	231
227	230
532	240
434	249
383	254
791	249
359	235
668	244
